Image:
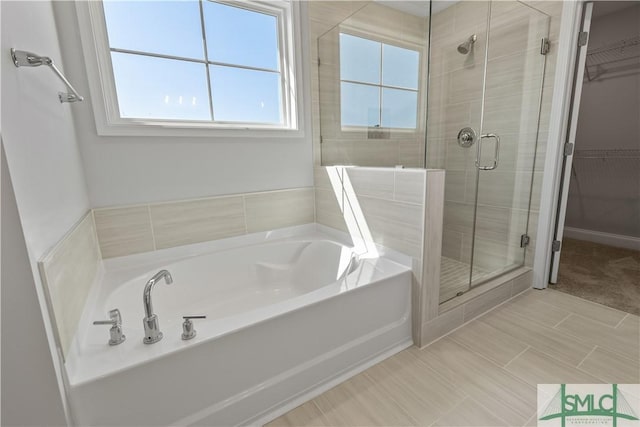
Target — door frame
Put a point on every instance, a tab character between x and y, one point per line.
563	196
568	49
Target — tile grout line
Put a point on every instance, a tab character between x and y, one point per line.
585	301
401	202
532	418
617	353
153	231
562	320
512	301
464	396
394	186
95	233
244	213
590	342
314	403
540	350
583	341
621	320
516	356
585	358
482	356
566	317
490	411
594	374
478	318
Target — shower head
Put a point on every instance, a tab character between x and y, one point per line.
465	47
22	58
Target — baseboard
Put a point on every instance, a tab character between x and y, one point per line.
610	239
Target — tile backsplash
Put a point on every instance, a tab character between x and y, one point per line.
129	230
68	271
70	268
183	223
124	230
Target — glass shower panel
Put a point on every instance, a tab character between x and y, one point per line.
506	147
373	74
456	69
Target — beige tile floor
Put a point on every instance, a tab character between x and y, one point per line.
485	373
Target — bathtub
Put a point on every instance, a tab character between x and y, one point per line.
289	314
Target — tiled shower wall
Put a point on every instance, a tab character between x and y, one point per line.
455	102
401	209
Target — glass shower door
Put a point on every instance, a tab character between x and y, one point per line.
506	147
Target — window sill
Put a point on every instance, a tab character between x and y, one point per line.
187	130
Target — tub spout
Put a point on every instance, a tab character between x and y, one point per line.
152	332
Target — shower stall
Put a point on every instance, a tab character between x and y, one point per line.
453	85
486	81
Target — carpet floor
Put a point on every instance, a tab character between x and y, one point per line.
600	273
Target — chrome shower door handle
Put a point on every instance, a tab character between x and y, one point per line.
496	152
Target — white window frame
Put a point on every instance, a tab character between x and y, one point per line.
97	54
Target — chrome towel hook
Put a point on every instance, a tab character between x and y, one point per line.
22	58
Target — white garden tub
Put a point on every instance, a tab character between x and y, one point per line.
289	314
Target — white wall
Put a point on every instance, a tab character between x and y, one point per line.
45	166
30	393
610	106
604	196
38	133
126	170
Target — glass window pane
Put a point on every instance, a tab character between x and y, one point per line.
241	37
165	27
359	59
360	105
399	108
158	88
400	67
241	95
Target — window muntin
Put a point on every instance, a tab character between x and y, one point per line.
141	77
145	26
379	84
229	44
240	44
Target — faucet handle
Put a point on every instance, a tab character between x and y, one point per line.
117	337
114	316
188	330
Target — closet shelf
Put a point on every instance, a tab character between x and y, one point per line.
607	154
622	53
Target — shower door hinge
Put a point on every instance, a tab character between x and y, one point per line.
582	38
321	139
568	148
555	246
524	240
545	46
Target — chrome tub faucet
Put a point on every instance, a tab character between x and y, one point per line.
152	332
115	321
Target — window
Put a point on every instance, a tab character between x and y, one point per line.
196	63
378	84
